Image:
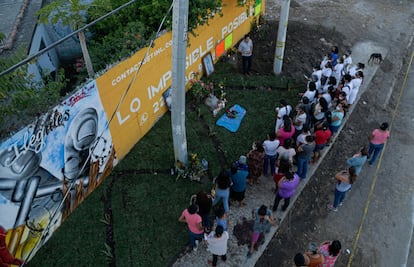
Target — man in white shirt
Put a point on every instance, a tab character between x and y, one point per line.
246	50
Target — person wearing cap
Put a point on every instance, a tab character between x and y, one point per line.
239	184
246	50
242	163
377	140
283	110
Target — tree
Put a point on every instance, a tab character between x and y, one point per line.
125	32
21	97
74	14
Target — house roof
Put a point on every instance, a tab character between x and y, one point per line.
17	21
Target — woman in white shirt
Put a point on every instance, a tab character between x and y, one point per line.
337	70
347	61
270	148
354	69
217	244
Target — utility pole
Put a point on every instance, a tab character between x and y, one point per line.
179	42
281	37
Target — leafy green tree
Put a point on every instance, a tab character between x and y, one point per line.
21	97
127	31
74	14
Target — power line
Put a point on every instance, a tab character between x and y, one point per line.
44	50
106	128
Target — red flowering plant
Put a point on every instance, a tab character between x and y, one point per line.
200	89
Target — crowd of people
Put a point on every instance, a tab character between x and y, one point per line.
301	134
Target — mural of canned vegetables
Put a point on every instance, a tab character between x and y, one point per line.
49	167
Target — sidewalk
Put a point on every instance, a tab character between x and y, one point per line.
262	193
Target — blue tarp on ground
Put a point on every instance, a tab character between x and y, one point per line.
232	124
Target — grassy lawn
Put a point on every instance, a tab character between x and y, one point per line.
144	198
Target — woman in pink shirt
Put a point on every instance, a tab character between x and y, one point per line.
194	223
377	141
286	131
330	251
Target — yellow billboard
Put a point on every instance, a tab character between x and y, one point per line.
132	91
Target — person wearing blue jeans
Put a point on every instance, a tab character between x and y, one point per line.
223	183
345	179
194	223
246	50
377	141
305	151
224	195
374	151
339	197
270	148
269	160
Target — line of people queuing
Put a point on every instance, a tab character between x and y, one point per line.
299	138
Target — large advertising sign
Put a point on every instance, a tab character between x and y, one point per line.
49	167
133	90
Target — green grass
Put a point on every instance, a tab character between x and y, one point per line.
146	199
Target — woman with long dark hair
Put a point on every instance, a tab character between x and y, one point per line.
217	244
344	181
377	141
286	131
330	251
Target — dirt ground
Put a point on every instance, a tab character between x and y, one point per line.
305	47
313	27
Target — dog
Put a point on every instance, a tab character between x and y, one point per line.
375	58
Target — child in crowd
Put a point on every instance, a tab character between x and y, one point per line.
221	217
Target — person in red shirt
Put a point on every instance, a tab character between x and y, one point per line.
321	138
